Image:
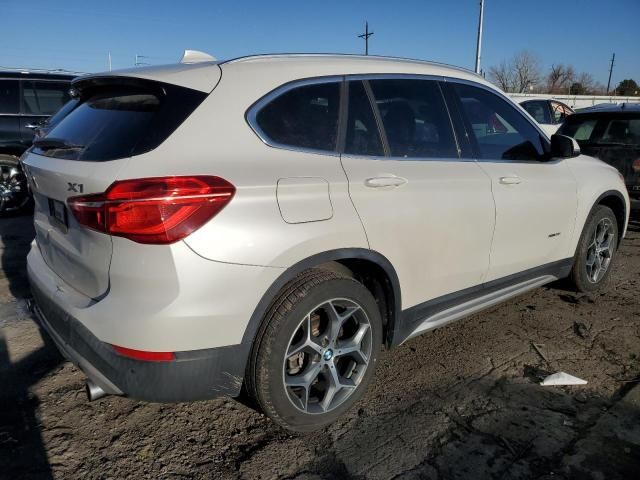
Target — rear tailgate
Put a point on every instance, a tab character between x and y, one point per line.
81	257
116	119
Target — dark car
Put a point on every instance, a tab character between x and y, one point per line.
612	134
27	100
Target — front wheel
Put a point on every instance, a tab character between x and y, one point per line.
316	353
596	250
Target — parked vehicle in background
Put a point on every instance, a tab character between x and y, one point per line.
27	99
548	113
269	223
612	134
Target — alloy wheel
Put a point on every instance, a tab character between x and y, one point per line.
600	251
327	356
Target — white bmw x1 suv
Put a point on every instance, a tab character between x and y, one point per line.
266	224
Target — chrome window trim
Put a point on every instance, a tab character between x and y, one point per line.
252	113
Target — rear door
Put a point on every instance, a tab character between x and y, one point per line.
429	211
115	120
535	198
40	100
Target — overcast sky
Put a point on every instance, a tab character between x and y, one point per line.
79	34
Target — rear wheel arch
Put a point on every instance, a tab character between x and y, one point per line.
370	268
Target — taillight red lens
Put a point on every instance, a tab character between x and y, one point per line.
157	210
636	165
144	355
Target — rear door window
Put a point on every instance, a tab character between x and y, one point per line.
415	118
500	131
44	98
9	96
117	121
363	137
303	117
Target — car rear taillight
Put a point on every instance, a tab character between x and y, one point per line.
158	210
636	165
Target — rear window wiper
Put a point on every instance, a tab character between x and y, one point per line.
48	143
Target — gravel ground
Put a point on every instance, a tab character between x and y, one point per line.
460	402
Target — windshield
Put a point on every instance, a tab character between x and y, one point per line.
603	129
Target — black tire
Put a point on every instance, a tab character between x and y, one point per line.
299	300
581	274
14	191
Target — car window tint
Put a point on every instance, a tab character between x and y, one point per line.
603	129
44	98
305	117
9	96
113	121
539	110
622	130
415	118
500	131
363	137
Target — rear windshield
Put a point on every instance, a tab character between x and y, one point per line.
603	129
118	121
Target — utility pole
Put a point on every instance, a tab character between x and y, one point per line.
366	36
109	61
610	72
479	43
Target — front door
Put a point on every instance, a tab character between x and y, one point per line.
535	197
428	211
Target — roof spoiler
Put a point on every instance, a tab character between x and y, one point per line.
196	56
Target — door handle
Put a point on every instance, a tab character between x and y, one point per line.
32	126
378	182
512	180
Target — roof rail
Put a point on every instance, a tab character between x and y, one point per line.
351	55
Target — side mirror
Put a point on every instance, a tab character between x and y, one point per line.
564	147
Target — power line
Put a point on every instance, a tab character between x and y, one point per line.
366	36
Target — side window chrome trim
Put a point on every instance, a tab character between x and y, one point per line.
252	113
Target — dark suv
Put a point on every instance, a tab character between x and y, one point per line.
27	100
612	134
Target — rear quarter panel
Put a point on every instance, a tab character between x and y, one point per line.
251	230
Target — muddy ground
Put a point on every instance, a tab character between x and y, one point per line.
460	402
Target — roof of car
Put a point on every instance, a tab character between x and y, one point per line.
203	76
610	108
28	74
355	63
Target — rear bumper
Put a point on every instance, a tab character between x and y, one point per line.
193	375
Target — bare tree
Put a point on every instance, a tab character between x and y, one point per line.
501	76
586	80
520	74
526	71
560	78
